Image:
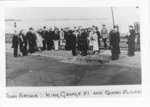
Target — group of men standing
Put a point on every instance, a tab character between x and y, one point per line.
79	41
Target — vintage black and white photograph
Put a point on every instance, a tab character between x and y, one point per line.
72	46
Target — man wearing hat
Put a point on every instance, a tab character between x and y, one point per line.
15	43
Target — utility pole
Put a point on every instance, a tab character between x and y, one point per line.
113	19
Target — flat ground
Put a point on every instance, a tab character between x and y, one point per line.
42	69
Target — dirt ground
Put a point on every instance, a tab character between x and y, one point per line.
35	70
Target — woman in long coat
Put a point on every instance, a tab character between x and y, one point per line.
84	42
23	43
31	37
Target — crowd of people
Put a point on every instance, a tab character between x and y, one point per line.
83	41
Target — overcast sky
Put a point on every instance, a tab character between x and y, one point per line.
36	17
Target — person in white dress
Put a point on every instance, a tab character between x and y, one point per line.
90	38
39	41
95	42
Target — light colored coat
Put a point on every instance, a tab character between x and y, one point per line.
90	38
39	40
104	33
95	42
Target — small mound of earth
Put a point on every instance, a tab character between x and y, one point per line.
66	57
87	59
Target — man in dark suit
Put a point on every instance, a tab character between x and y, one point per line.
45	35
84	42
73	37
50	39
114	43
15	44
131	41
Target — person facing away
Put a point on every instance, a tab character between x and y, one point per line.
31	37
104	34
15	44
131	41
114	43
